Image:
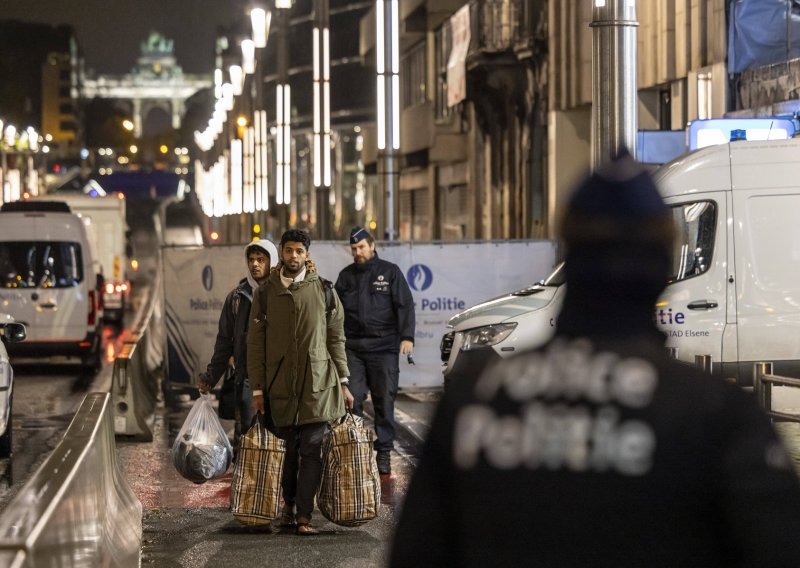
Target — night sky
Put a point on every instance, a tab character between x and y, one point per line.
110	31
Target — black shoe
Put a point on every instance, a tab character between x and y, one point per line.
384	460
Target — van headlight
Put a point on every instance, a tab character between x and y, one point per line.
486	336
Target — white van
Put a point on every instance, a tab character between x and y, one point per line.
104	218
735	289
48	282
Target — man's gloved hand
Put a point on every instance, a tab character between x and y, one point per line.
258	403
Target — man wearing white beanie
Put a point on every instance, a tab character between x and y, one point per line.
231	343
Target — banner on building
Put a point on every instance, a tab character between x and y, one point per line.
444	278
456	64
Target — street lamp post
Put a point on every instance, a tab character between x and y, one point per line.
322	114
614	88
387	52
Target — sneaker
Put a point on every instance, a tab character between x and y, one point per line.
384	460
304	527
287	516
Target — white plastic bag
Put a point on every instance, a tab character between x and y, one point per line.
202	450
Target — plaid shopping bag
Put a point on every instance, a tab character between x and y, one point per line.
350	491
256	485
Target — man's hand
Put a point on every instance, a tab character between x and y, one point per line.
203	385
348	398
406	347
258	403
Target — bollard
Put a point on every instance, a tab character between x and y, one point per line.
672	352
762	389
703	362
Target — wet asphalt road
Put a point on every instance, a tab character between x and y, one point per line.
190	525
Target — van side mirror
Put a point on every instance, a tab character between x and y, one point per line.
14	332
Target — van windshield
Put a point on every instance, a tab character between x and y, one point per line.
42	264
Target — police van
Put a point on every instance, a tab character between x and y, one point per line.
734	293
49	282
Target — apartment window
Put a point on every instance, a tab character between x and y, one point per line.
65	108
64	92
63	75
443	44
705	96
412	76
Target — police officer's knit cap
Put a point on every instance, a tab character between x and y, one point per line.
619	235
619	202
358	234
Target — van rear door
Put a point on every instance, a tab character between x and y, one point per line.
697	310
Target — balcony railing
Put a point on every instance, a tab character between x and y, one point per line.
493	24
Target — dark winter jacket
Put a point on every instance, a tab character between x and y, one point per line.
605	453
378	306
231	334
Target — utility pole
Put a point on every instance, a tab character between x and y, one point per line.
614	88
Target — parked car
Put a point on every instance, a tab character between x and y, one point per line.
10	332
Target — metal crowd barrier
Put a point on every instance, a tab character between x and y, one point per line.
763	381
135	380
77	510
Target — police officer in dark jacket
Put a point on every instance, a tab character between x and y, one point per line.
597	449
231	343
379	324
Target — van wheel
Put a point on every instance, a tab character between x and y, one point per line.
5	439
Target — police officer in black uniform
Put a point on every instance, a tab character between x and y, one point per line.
378	324
597	449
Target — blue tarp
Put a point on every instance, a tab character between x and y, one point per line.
758	34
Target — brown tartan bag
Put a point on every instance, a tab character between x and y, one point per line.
256	485
350	491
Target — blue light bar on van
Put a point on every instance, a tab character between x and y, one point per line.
713	131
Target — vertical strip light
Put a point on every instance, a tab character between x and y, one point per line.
261	124
395	39
279	144
322	101
236	176
317	110
258	167
326	108
248	205
287	144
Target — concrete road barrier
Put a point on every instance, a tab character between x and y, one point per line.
137	370
78	509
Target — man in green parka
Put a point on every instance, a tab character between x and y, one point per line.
296	358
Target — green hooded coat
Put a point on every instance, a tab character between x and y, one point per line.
296	353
